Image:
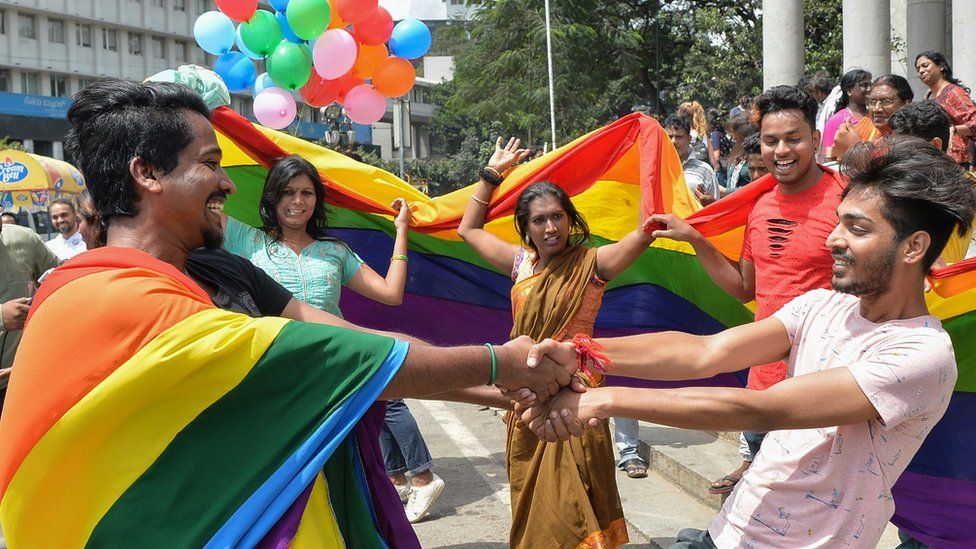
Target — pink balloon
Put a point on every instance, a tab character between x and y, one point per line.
274	108
365	105
334	53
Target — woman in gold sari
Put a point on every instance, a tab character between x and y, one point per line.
564	494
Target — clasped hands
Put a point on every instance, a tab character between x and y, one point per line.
546	395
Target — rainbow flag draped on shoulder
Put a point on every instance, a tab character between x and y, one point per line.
615	175
138	414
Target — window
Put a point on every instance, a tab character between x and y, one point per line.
179	5
3	22
201	7
135	43
29	83
180	51
4	80
110	39
26	26
82	35
157	3
59	85
85	82
55	31
159	47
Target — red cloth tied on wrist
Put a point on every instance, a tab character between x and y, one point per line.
588	352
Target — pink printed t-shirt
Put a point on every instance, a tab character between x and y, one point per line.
786	241
831	487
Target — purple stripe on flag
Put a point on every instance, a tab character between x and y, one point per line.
283	532
939	512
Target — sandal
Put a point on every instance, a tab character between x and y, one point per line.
725	485
635	468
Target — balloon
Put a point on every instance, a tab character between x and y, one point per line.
319	92
345	83
214	32
355	11
394	77
236	70
336	22
289	65
286	31
261	34
238	10
410	39
368	59
243	48
262	82
279	5
308	18
375	30
334	54
275	108
365	105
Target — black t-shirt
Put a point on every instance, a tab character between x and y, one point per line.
235	284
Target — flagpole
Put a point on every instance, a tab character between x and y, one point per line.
552	94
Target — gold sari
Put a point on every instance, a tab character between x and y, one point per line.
564	494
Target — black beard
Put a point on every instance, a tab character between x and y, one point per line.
877	280
213	239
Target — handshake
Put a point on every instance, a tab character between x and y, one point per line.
539	379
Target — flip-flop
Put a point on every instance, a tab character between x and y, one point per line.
717	488
635	468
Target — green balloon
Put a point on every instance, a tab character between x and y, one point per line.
262	33
289	65
308	18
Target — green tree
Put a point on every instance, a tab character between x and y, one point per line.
7	143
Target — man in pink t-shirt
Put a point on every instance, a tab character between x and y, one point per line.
783	253
871	371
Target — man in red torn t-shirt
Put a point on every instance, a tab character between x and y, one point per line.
783	252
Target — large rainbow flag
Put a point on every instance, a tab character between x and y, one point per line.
616	174
158	420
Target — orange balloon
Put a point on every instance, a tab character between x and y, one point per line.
336	22
368	59
394	77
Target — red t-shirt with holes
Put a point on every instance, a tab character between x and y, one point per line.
785	239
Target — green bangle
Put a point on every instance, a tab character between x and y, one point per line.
494	364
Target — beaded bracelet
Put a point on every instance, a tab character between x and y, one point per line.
402	258
494	364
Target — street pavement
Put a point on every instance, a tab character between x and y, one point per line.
468	447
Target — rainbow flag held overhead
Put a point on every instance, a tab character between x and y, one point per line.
158	420
616	175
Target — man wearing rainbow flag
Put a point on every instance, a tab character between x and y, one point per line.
182	424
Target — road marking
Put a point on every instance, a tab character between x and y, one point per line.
471	448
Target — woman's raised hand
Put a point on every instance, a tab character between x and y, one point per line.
402	220
506	157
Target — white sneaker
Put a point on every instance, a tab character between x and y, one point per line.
422	499
404	491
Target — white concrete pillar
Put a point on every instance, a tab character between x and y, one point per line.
782	42
867	36
926	30
963	46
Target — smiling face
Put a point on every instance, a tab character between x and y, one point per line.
64	219
882	103
863	246
789	146
928	71
548	226
297	203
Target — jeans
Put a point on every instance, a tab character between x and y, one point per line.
403	446
908	542
693	538
625	438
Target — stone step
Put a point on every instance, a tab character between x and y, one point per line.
656	510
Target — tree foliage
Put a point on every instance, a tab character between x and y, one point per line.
609	58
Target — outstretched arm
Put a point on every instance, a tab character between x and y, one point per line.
494	250
678	356
823	399
297	310
613	259
739	281
389	289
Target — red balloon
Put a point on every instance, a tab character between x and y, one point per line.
319	92
238	10
376	30
345	83
394	77
356	11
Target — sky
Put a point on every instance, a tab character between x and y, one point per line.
416	9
